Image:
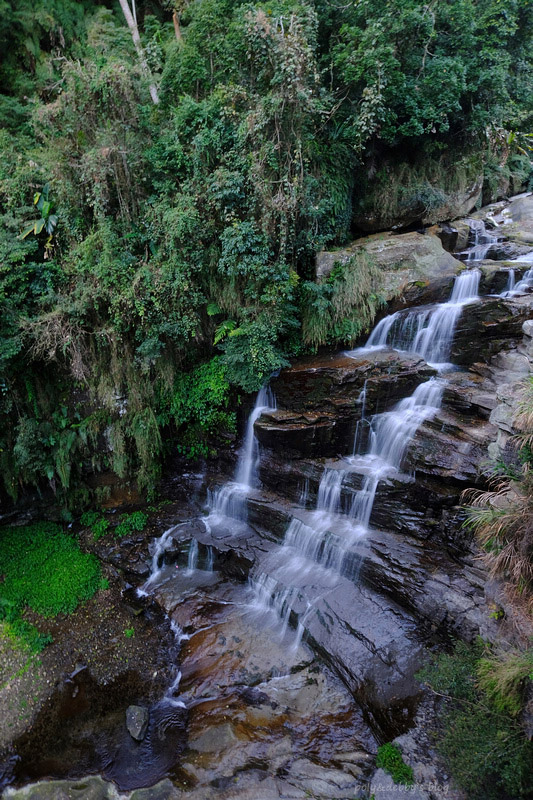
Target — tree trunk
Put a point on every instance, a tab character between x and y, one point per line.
177	29
138	46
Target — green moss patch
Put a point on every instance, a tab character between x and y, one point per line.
42	568
390	759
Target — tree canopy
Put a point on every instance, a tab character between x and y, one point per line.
151	250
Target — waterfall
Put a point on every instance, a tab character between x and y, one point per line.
249	456
323	544
427	330
483	241
160	546
230	500
511	281
192	560
525	284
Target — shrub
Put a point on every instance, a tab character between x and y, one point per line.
199	407
343	306
135	521
503	517
20	629
504	677
98	524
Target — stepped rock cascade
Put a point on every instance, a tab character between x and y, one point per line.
230	499
525	284
427	331
327	536
159	548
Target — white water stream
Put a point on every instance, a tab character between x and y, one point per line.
426	330
229	501
483	241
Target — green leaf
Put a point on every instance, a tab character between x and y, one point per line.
213	309
31	229
223	330
51	223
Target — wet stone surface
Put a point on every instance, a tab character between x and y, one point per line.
262	712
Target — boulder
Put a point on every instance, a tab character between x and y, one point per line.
90	788
454	236
521	211
137	721
519	222
414	265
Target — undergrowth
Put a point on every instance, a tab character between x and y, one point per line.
502	518
99	525
482	741
343	306
136	521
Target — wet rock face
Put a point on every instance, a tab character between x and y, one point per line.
446	448
334	382
486	327
261	711
410	506
495	275
320	399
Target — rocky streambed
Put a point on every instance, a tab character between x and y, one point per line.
299	623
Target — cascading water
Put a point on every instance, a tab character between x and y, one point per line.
427	330
192	560
160	546
483	241
319	543
525	284
511	282
230	500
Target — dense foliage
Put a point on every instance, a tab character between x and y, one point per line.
482	739
152	257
